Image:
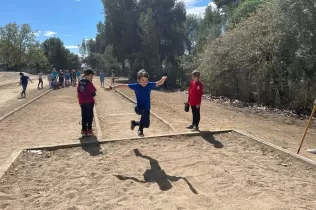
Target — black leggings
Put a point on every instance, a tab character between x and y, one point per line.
87	116
144	119
196	116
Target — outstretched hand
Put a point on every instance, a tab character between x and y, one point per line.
164	77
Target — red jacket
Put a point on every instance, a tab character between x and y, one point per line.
195	93
86	91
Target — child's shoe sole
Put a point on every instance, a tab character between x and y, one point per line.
132	125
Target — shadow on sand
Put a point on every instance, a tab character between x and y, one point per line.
156	174
91	145
209	137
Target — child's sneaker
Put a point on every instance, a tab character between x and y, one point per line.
196	128
90	133
83	133
140	133
190	127
133	124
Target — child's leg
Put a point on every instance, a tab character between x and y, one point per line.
194	113
144	120
90	115
198	117
83	116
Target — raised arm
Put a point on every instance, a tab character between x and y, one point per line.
160	82
30	80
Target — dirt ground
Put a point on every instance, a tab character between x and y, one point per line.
286	132
226	171
52	119
10	96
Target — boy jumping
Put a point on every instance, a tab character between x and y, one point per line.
195	99
86	92
24	81
142	91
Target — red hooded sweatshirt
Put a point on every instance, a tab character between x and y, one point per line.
86	92
195	93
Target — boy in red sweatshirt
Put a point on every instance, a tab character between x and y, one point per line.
86	92
195	98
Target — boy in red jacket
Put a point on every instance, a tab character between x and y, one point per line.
195	98
86	92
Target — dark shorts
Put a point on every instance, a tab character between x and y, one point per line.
145	116
24	86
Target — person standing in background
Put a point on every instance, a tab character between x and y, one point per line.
102	78
61	78
112	78
40	80
50	79
78	75
24	80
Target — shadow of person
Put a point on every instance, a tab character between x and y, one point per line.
156	174
91	145
208	136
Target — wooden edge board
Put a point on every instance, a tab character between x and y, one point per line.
296	156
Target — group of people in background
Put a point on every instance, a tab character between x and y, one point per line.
63	78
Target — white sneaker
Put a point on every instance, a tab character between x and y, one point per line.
311	151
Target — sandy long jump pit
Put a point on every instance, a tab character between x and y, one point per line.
224	171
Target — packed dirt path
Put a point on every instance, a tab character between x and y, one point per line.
115	114
10	95
50	120
282	131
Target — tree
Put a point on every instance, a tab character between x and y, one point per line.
83	49
58	56
267	58
192	27
19	49
245	10
222	3
149	42
210	29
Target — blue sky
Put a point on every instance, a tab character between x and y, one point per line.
70	20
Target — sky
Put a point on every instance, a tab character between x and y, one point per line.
70	20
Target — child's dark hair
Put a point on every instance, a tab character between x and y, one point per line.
196	73
88	72
142	73
21	74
